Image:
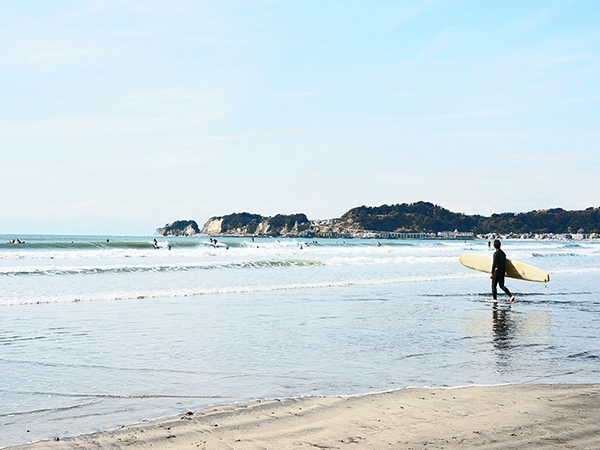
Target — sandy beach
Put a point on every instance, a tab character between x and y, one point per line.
496	417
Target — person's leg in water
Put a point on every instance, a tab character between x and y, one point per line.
494	289
505	289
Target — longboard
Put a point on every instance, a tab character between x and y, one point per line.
514	269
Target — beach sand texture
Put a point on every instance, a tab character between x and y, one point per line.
490	417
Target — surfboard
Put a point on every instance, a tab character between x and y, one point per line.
514	269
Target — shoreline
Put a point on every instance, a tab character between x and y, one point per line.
546	416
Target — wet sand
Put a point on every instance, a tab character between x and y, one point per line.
495	417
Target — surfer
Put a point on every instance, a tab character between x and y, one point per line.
498	272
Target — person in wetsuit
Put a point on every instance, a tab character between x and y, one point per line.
498	272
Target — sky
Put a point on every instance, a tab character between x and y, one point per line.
118	117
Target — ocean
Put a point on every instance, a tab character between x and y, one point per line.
101	331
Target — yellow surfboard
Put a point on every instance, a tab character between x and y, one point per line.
514	269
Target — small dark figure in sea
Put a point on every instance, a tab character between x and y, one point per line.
498	272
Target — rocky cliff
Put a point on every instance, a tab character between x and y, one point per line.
179	228
246	224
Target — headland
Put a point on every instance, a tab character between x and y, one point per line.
421	220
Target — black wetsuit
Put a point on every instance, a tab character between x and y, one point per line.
498	271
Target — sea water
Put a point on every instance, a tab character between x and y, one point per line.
102	331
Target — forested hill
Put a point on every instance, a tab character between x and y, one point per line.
414	217
555	220
419	217
427	217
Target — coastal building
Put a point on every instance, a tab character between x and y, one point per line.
455	235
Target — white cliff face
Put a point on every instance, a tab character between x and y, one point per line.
213	226
263	227
188	231
246	224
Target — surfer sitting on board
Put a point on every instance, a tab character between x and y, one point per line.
498	272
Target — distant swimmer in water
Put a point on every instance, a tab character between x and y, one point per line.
499	271
155	243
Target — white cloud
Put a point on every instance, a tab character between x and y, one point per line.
99	125
546	158
86	126
86	204
474	114
56	52
167	160
199	105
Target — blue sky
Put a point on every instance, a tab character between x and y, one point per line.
120	116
